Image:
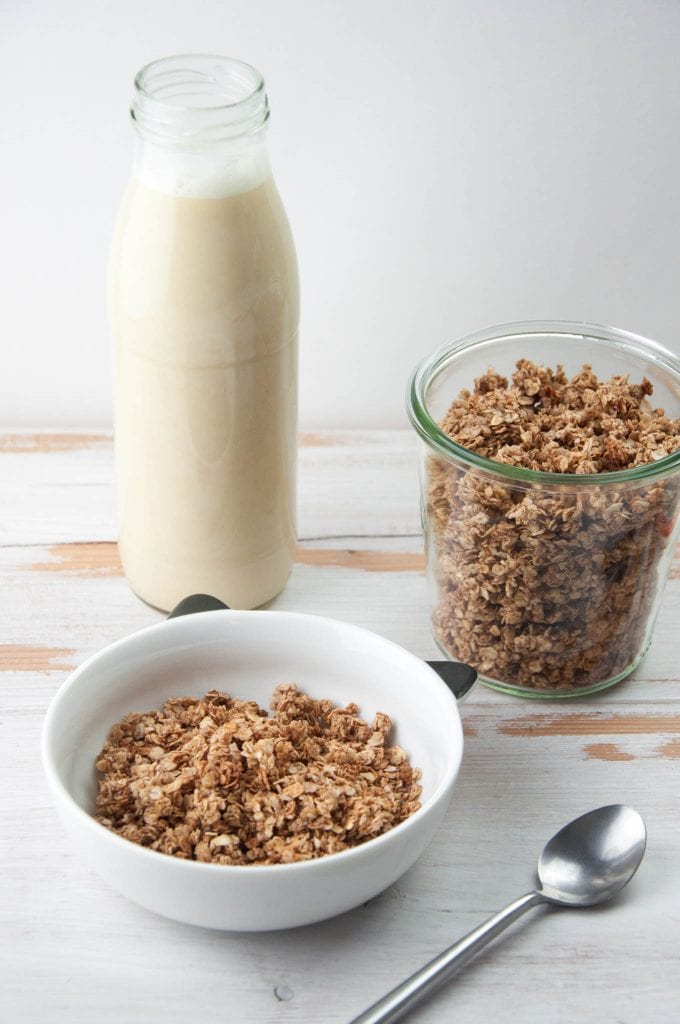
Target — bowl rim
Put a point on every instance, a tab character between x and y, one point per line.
61	793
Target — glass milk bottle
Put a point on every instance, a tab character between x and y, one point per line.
204	307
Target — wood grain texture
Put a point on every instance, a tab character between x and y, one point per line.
599	723
607	752
73	951
32	658
101	558
361	560
27	444
96	558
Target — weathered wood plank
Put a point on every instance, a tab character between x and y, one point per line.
60	488
78	590
101	558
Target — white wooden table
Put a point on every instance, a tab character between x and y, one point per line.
72	950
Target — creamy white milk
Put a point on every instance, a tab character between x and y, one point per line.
203	300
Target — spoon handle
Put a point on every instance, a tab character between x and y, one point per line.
405	996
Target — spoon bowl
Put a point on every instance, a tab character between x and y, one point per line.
593	857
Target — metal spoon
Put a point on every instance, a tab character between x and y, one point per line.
587	862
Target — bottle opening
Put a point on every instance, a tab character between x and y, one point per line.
193	99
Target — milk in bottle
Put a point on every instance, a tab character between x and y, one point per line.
203	301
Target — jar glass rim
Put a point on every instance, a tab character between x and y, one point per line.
430	432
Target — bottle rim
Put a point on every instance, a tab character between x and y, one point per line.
430	432
198	98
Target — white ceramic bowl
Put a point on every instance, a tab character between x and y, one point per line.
247	654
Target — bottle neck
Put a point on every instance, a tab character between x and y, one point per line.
200	123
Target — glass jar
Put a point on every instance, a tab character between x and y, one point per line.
204	308
547	583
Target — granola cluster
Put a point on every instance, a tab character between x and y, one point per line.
550	587
220	780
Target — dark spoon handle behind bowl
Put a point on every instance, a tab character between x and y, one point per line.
459	678
197	603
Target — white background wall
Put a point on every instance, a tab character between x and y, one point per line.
445	165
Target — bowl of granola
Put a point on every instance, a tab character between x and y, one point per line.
251	771
550	489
